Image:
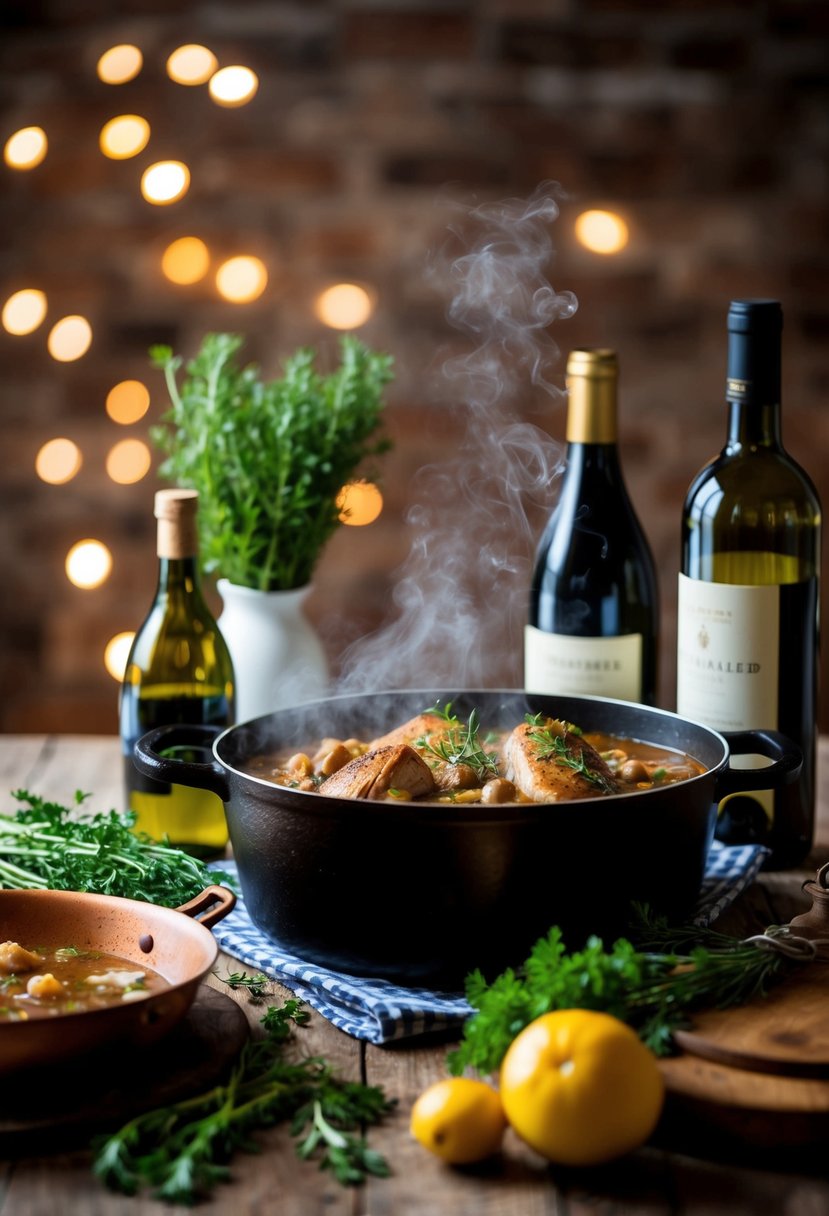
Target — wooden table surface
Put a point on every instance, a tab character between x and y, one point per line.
651	1182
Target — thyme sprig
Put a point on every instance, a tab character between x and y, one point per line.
255	984
460	743
653	989
182	1151
549	744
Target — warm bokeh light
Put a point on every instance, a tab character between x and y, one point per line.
165	182
191	64
116	654
344	306
58	461
128	401
186	260
601	231
120	64
88	564
128	461
241	279
69	339
24	311
26	148
233	86
359	503
124	136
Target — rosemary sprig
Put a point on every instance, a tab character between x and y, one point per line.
460	744
652	990
183	1151
555	746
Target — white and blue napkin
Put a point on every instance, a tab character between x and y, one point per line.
380	1011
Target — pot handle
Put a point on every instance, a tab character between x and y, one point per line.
786	756
150	759
217	900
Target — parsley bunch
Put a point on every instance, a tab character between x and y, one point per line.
652	989
48	846
268	458
182	1151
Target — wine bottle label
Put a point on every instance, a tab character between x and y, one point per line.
728	662
727	654
604	667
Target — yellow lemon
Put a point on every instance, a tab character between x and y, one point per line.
580	1087
459	1120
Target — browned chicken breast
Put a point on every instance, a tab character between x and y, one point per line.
395	767
414	729
549	763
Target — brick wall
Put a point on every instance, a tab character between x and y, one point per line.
704	124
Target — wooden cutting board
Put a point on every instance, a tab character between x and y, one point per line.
757	1077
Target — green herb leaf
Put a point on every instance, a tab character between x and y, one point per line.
652	988
460	744
45	845
181	1152
268	458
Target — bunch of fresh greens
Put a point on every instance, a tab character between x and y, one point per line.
268	458
48	846
652	988
182	1151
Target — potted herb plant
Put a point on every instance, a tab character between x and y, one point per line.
269	459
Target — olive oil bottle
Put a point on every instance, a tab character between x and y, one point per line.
178	671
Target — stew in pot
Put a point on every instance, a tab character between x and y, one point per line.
436	757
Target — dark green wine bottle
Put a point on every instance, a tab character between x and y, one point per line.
594	604
178	671
747	637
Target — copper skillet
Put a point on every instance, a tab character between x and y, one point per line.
168	940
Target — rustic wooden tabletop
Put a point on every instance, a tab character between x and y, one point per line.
658	1179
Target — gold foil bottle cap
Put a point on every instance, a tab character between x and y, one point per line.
591	387
599	363
175	511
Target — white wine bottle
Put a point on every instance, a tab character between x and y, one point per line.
747	631
178	671
594	604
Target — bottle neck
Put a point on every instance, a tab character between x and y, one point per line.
591	410
178	576
753	388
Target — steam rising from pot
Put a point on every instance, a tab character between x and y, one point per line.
460	596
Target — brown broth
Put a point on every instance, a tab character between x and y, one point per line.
80	981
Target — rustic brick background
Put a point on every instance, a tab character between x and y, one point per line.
375	128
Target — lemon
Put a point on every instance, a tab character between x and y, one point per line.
459	1120
580	1087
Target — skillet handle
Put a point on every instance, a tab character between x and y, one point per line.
151	757
218	900
786	756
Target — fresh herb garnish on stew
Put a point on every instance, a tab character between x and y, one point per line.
48	846
182	1151
550	743
460	744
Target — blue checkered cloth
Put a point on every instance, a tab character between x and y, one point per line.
380	1011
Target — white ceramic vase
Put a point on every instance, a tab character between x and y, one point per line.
278	659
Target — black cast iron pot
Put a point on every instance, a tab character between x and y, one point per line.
423	893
